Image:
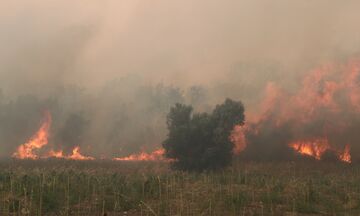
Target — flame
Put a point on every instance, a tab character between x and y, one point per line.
314	148
318	147
41	137
76	155
345	156
157	155
329	92
54	154
37	141
238	138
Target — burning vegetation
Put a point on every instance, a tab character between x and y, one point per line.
318	120
157	155
32	148
318	147
39	139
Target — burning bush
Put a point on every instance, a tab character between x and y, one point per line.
320	119
201	141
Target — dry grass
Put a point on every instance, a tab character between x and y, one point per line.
55	187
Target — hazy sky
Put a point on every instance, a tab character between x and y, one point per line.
45	43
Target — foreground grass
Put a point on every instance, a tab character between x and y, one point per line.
117	188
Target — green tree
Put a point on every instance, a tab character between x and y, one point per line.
200	141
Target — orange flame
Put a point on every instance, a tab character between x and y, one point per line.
157	155
54	154
238	138
318	147
37	141
345	156
332	89
311	148
76	155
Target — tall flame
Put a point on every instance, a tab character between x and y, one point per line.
37	141
345	156
238	138
301	118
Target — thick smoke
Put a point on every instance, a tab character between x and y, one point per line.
124	117
108	71
51	43
319	119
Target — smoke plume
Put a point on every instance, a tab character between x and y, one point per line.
109	71
319	119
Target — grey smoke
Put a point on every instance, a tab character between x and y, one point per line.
121	64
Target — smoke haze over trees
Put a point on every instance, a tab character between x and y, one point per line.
124	116
117	67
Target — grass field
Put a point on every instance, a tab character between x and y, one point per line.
53	187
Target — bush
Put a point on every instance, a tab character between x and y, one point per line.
200	141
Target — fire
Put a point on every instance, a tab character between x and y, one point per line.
76	155
39	140
41	137
30	149
345	156
314	148
318	147
54	154
157	155
238	138
36	142
320	115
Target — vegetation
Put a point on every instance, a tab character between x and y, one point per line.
201	141
55	187
124	115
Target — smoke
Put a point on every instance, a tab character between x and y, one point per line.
117	66
49	43
320	119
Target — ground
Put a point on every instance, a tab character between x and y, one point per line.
58	187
